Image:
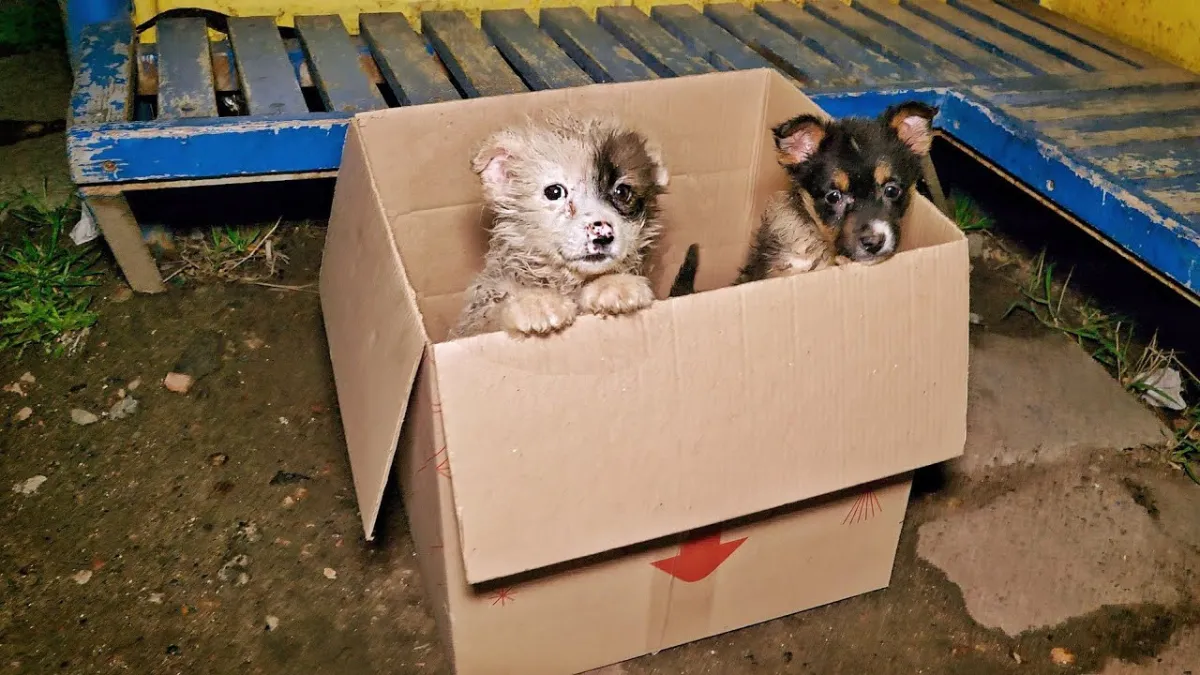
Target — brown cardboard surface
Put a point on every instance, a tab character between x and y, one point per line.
618	606
542	476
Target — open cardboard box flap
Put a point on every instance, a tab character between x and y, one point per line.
619	431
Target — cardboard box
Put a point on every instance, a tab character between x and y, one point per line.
562	493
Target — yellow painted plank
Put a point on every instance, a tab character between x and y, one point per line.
285	13
1169	29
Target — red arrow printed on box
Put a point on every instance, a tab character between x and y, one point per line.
699	558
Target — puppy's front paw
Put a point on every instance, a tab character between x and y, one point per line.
616	294
537	312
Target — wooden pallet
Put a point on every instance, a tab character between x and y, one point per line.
1108	135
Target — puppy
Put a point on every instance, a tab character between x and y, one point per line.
576	212
851	184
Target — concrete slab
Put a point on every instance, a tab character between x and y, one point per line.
1062	545
1039	399
1181	658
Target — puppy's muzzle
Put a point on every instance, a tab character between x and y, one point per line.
877	237
600	237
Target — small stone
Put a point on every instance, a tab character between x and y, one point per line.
137	382
249	532
15	388
300	493
83	417
156	598
178	382
29	485
976	319
123	408
82	577
1061	657
122	294
1016	657
23	414
28	378
254	343
272	623
284	421
288	502
330	573
974	245
218	459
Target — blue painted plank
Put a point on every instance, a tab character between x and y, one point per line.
1127	104
210	147
103	87
1091	193
185	77
966	54
405	60
870	66
872	101
782	50
1077	31
1154	119
933	67
540	62
706	40
78	17
267	77
1137	160
1168	126
1087	88
336	69
1037	35
475	64
1181	183
997	41
653	45
593	48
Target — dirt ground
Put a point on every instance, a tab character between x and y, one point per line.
217	532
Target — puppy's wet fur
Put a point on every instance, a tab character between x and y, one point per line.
576	212
851	182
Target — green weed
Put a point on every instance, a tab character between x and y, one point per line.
968	215
42	281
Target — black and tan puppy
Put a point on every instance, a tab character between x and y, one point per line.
851	184
576	211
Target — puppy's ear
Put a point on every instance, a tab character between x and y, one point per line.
797	139
661	175
913	123
492	160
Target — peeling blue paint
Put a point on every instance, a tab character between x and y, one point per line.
983	115
101	90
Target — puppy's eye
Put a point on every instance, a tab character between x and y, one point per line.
555	192
833	197
623	192
891	191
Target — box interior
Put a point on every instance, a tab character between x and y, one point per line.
722	164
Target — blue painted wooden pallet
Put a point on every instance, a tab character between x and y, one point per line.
1106	133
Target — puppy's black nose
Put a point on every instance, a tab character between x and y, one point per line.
873	242
600	234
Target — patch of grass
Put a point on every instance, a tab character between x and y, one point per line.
29	25
1111	340
43	278
241	254
968	215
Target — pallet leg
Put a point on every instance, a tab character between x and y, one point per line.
929	173
124	237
